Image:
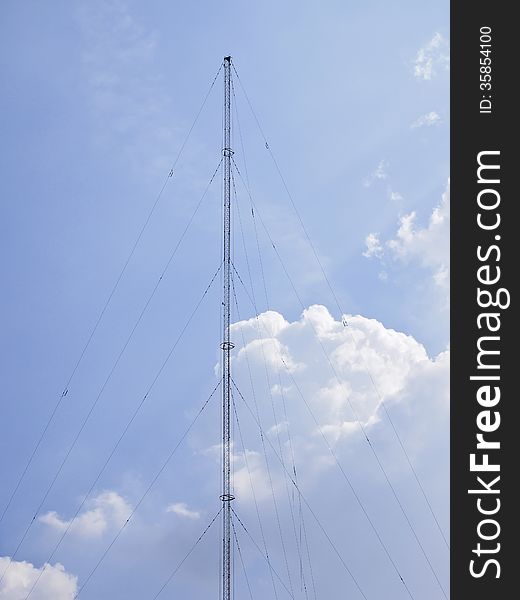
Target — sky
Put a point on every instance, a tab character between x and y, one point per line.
352	100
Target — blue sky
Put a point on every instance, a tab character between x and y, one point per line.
98	97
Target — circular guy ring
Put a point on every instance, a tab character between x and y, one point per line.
227	497
227	345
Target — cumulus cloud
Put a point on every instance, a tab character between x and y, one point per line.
427	120
434	55
370	363
181	509
429	246
55	582
337	369
108	509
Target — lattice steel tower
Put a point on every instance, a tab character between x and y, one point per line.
226	345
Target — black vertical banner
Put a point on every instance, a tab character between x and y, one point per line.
485	439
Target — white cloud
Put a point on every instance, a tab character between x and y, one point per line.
181	509
379	173
415	390
395	196
373	246
432	56
429	245
108	509
427	120
394	360
54	584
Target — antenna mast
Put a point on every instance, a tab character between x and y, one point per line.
226	345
